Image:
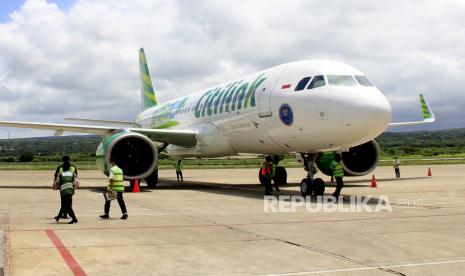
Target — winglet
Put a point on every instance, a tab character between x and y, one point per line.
428	115
149	98
427	112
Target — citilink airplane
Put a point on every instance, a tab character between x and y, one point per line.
310	108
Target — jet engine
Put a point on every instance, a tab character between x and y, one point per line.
359	160
135	154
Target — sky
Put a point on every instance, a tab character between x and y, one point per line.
79	58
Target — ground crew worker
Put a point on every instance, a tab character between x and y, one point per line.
59	169
65	182
178	167
266	173
274	166
396	165
116	185
338	174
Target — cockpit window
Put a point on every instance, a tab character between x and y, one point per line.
302	83
363	81
317	82
341	80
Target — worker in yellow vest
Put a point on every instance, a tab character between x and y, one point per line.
338	174
115	186
396	165
178	167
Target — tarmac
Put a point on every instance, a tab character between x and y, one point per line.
215	223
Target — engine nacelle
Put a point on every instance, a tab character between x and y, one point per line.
359	160
135	153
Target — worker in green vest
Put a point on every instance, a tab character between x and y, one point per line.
178	167
59	169
65	182
338	174
274	166
115	186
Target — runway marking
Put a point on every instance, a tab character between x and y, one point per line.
367	268
69	259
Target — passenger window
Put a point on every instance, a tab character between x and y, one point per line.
363	81
317	82
341	80
302	83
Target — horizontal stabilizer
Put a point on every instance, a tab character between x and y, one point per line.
428	115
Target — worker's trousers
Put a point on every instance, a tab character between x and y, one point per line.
120	199
339	186
267	182
179	175
67	206
397	172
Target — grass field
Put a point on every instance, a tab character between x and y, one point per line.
221	163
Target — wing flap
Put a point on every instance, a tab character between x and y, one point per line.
110	122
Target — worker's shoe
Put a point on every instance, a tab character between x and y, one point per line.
125	216
105	216
73	221
57	218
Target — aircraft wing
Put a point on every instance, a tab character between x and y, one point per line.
110	122
184	138
428	115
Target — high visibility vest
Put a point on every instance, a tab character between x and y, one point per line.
72	169
396	163
338	171
178	167
66	182
273	169
118	183
266	169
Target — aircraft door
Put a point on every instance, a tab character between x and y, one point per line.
265	92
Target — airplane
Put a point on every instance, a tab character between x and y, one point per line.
311	108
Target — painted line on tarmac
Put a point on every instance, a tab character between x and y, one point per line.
69	259
367	268
2	254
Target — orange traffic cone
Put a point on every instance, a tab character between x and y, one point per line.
136	186
429	172
373	182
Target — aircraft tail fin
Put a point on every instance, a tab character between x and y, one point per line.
149	98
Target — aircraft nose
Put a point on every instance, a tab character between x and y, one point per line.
368	113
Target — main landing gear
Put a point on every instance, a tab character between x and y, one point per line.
310	185
151	180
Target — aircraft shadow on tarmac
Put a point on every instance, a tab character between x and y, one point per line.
254	191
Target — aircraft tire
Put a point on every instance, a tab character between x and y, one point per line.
152	180
306	187
319	186
281	175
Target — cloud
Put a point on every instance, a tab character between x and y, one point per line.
83	61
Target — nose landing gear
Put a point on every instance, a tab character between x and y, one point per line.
310	185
